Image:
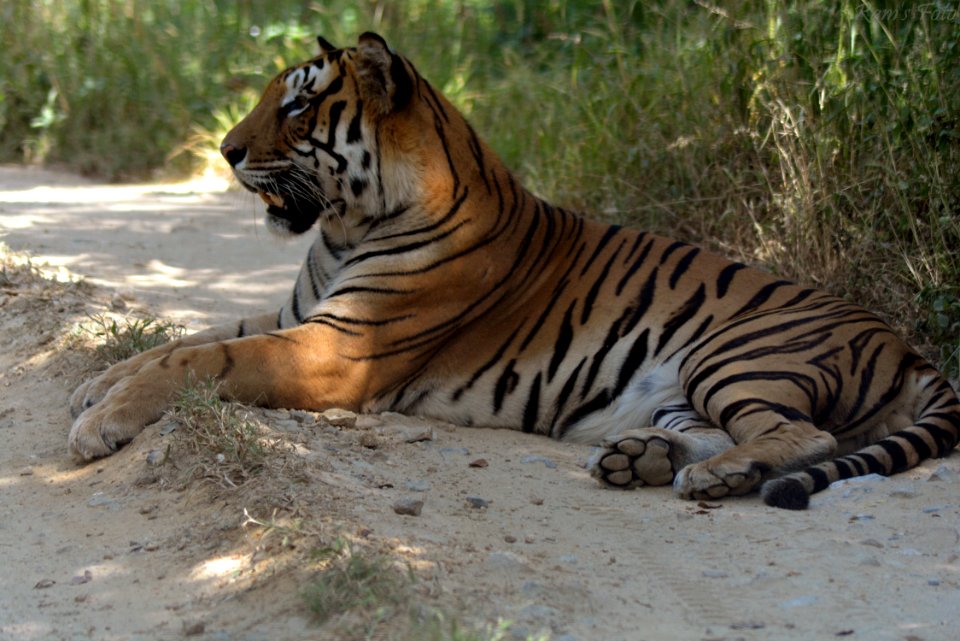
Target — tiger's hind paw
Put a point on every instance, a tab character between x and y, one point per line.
713	479
634	459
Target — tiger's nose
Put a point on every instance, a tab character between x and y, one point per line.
233	154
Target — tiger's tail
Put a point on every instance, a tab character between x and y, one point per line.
935	432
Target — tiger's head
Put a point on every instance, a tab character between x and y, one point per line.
320	141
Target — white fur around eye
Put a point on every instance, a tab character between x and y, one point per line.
294	106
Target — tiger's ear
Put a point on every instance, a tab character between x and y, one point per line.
325	46
385	82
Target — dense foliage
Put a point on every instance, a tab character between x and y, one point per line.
821	139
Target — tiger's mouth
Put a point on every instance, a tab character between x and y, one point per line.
287	214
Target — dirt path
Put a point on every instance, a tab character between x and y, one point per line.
125	549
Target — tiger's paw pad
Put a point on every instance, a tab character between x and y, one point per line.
630	461
713	480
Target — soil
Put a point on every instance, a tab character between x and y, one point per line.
164	542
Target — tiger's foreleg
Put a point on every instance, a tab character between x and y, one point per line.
297	367
654	455
92	391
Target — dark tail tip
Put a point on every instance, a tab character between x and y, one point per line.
787	493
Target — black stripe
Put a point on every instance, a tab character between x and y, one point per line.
379	322
564	339
565	393
682	266
896	453
916	441
295	304
643	301
342	330
674	246
634	267
506	384
761	297
634	247
353	132
486	366
635	358
597	284
367	290
598	402
844	468
420	230
401	249
820	479
607	236
531	410
681	317
726	276
477	149
874	466
547	312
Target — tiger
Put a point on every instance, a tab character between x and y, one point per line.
438	286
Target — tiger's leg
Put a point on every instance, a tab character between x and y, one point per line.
299	367
654	455
770	437
92	391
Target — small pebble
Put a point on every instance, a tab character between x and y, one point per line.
943	473
370	441
477	503
933	582
99	499
86	577
454	450
286	425
44	583
339	417
158	457
194	629
480	462
418	435
408	506
904	493
509	538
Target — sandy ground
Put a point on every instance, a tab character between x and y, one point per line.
126	549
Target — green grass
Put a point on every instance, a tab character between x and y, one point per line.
819	139
226	447
119	340
366	595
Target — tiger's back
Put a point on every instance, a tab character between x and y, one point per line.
439	286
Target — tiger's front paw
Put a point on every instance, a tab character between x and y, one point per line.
103	428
